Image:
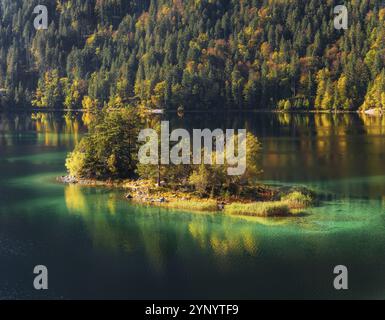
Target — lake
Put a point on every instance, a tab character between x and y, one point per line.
95	244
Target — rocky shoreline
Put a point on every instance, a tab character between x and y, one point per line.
141	191
181	197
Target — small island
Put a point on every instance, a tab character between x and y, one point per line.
108	156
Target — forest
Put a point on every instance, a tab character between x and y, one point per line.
198	54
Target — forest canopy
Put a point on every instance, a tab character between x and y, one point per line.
199	54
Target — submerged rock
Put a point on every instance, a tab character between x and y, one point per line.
67	179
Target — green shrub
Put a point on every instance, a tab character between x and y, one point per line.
297	200
109	150
200	179
75	163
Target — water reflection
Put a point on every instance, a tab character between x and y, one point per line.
44	129
115	225
222	240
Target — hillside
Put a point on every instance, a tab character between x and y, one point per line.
201	54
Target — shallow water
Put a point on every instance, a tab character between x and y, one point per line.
96	245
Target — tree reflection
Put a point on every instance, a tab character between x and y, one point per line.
114	224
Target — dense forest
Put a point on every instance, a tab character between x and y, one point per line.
199	54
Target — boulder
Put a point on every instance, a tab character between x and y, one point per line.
68	179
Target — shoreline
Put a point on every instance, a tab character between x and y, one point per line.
268	201
369	112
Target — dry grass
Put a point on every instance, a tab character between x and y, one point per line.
259	209
194	205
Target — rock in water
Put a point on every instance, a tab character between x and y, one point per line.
67	179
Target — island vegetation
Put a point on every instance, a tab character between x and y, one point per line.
108	155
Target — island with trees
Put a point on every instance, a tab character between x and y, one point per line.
108	156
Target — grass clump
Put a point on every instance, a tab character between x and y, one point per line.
259	209
194	205
297	200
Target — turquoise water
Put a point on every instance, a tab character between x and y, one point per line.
96	245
